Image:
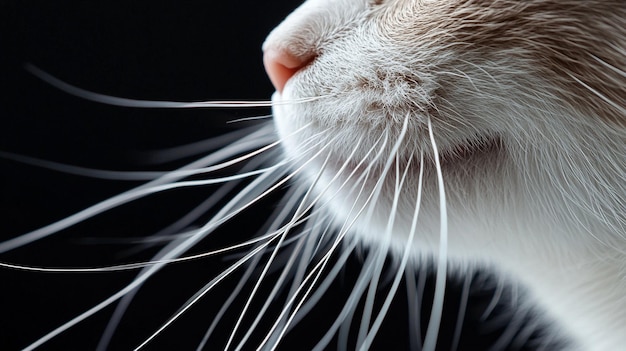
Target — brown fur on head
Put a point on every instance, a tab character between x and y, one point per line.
579	46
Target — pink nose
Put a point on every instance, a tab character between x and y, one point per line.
281	65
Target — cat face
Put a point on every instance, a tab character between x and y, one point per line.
525	99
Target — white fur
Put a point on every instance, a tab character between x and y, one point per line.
547	203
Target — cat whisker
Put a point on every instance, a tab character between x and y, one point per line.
137	240
252	187
322	263
133	266
165	182
297	213
617	70
248	119
244	278
333	180
81	171
345	317
224	215
287	242
222	218
287	202
351	303
134	175
382	251
330	277
136	103
208	287
432	331
165	155
310	303
114	201
283	276
316	270
366	273
338	173
261	182
286	270
125	301
405	255
314	246
216	196
202	147
228	302
313	202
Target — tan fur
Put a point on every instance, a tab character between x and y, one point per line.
578	46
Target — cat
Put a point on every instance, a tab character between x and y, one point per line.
503	120
527	101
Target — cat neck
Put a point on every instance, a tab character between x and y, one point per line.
583	291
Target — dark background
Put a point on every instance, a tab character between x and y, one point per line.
158	50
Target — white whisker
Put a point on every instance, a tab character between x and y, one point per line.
288	227
125	102
314	201
207	204
297	254
287	202
132	175
383	248
310	303
203	292
368	266
308	206
222	217
248	119
156	186
133	266
322	263
201	147
173	252
432	332
350	304
115	201
81	171
405	257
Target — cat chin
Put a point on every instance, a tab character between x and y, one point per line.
339	184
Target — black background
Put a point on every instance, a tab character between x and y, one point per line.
158	50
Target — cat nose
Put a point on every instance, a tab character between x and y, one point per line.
281	65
